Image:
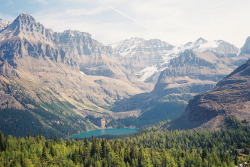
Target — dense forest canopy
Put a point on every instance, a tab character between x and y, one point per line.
150	147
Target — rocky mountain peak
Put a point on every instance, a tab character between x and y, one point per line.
132	46
230	97
201	40
218	47
197	43
246	48
143	57
73	33
26	25
25	17
23	20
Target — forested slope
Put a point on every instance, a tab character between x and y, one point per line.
151	147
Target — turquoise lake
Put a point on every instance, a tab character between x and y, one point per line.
100	132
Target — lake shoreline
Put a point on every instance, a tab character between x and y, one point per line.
105	131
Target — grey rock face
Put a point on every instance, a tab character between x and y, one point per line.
155	55
194	68
231	96
68	74
139	54
141	51
87	54
246	48
225	49
74	48
192	72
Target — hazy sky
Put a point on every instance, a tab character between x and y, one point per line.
174	21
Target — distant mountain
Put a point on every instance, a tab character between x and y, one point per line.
142	57
61	83
230	97
190	73
57	79
147	58
4	23
246	48
194	72
219	47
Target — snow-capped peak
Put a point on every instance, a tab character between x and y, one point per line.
202	45
207	46
200	41
147	57
127	46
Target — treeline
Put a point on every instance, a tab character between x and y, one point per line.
150	147
157	112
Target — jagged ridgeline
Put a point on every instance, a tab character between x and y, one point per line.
64	83
194	70
229	98
51	81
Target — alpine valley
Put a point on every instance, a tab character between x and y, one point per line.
63	83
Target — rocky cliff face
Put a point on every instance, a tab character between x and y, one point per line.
246	48
142	57
58	78
148	58
197	69
73	48
88	55
193	72
230	97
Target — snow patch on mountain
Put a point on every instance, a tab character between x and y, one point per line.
200	45
207	46
147	72
127	47
160	52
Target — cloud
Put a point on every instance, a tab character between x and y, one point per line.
175	21
45	2
125	15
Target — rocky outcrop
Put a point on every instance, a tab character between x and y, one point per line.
230	97
142	57
192	72
246	48
148	58
60	78
73	48
185	76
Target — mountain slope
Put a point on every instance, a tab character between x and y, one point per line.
185	76
230	97
57	79
147	58
142	57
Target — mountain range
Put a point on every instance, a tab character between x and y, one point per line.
148	58
59	78
62	83
194	70
229	98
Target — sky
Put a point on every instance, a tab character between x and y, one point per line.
108	21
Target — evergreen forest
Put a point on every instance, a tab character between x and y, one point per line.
151	147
